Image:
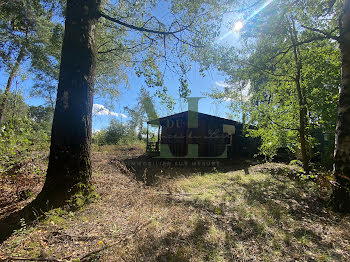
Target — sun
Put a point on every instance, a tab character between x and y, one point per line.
238	26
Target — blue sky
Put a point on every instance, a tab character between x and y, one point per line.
197	84
128	96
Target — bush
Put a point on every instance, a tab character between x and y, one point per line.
17	142
24	130
115	133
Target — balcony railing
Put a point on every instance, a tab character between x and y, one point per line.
152	148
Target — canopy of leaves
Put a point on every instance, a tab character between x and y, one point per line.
264	59
115	133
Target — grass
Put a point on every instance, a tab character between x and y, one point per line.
268	215
235	213
121	150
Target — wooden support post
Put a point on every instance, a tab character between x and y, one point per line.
158	144
147	137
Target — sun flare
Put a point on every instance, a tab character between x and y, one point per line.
238	26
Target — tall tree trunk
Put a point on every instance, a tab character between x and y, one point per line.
303	133
303	121
13	73
341	194
69	169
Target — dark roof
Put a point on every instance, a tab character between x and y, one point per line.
185	113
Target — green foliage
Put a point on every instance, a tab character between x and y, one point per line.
116	133
143	111
197	23
296	162
41	117
32	26
265	61
11	147
21	232
272	139
26	129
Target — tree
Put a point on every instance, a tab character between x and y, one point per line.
69	169
115	133
25	26
275	62
339	22
341	195
110	70
19	23
13	72
317	21
143	111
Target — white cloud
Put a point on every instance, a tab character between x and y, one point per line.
237	89
100	110
228	99
245	92
221	84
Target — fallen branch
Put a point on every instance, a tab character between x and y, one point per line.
178	194
33	259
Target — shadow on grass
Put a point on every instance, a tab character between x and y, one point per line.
151	170
293	197
282	214
177	247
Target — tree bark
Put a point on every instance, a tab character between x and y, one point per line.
302	130
341	195
303	121
13	73
69	169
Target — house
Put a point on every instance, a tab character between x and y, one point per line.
192	134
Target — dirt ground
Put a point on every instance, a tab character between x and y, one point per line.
151	210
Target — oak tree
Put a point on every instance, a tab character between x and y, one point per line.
191	25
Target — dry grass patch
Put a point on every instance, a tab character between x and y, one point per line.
268	215
251	214
130	222
22	182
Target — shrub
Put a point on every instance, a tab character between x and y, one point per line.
115	133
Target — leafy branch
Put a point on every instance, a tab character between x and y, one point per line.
142	29
328	35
